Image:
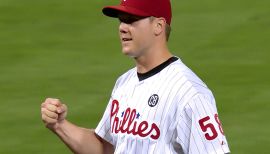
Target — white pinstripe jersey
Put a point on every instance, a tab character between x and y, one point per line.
167	110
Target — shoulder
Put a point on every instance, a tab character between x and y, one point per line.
189	85
186	74
126	77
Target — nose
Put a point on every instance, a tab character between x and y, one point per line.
123	27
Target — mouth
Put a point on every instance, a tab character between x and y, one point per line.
126	39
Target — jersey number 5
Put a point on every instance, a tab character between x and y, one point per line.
204	124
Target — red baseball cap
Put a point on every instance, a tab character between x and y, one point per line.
143	8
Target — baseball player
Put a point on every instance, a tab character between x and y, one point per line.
158	107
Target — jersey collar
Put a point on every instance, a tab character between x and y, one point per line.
152	72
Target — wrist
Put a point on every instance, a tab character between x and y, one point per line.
57	127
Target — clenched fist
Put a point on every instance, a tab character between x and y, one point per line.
53	112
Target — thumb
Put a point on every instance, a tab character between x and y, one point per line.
62	112
62	108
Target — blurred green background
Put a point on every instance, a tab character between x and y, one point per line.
67	49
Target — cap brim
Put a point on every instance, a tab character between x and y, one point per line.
113	11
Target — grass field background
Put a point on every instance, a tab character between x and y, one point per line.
67	49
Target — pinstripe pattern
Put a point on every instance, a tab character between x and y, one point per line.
183	100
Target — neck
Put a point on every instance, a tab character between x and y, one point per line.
152	59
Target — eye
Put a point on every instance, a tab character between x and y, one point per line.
129	19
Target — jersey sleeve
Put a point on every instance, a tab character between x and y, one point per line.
199	129
104	126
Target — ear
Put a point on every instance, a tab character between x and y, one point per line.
159	26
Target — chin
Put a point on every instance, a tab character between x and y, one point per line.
130	53
127	52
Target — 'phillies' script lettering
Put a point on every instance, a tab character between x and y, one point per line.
128	124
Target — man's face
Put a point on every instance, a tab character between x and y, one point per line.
136	34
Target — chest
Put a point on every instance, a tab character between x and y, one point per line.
142	110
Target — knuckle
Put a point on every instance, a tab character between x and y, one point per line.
42	111
52	100
48	99
56	100
52	115
64	108
42	104
48	120
51	107
44	118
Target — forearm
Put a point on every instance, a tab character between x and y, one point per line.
79	140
